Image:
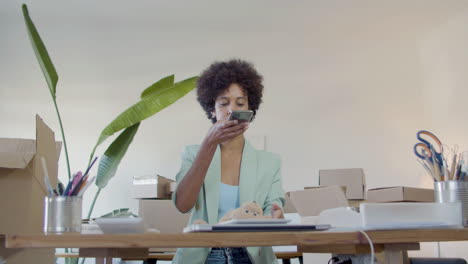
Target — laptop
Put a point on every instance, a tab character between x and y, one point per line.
254	228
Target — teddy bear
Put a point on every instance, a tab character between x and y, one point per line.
248	210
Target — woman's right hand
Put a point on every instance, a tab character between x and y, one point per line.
224	130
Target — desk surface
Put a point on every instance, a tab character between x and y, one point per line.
232	239
170	255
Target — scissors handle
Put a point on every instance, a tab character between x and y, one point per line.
424	153
433	137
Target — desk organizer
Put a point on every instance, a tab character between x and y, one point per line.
452	192
62	214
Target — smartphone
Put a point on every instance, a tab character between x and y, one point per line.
241	115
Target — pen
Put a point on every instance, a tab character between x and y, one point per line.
77	188
60	188
452	168
91	165
427	168
74	182
457	172
88	183
436	169
462	170
446	171
462	176
69	185
431	168
46	177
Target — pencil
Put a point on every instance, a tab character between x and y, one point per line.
436	169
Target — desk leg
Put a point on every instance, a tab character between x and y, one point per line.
106	260
396	257
398	253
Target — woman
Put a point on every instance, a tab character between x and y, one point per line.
225	171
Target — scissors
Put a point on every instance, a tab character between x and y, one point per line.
425	150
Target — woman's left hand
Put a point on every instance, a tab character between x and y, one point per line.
276	212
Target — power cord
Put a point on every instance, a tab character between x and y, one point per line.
357	259
370	244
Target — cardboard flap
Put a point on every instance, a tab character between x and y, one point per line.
382	188
163	180
45	147
289	205
16	153
164	186
312	201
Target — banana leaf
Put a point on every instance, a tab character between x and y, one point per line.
48	70
41	53
157	87
122	212
113	155
147	107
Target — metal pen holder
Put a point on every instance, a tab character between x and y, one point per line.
62	214
452	192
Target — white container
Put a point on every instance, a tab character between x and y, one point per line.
410	215
453	192
62	214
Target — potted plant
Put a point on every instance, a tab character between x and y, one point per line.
152	100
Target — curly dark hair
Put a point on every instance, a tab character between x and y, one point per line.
220	75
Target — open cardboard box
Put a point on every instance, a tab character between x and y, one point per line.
310	202
22	189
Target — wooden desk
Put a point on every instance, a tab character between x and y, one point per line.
168	256
393	243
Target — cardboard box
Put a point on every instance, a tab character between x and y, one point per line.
151	186
162	215
25	256
289	207
410	215
400	194
22	188
311	202
353	179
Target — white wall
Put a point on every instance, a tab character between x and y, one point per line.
348	83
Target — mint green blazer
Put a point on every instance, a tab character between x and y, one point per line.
260	181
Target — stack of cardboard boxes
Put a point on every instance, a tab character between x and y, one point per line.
22	190
347	187
343	188
337	188
155	205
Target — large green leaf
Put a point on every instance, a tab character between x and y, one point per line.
41	53
122	212
159	86
48	70
113	155
147	107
